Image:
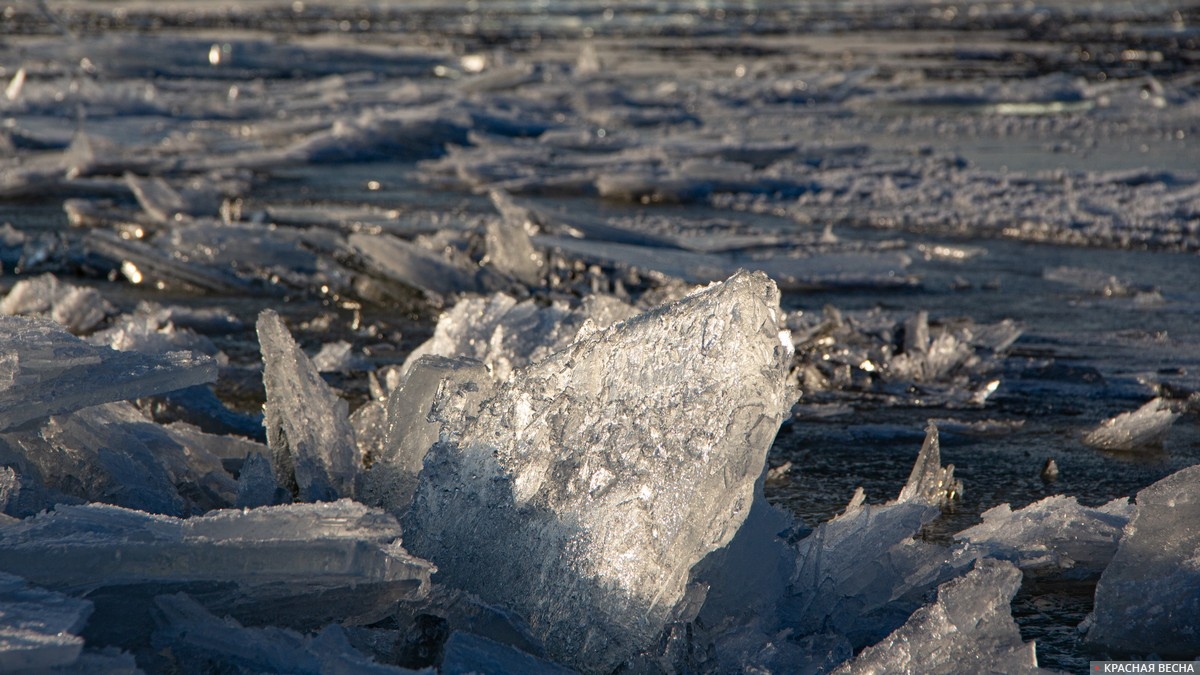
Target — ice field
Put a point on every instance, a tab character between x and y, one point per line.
600	337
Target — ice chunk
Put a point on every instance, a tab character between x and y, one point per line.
301	565
591	483
141	262
37	626
78	309
336	357
434	388
508	335
1054	533
969	629
418	267
863	573
509	248
466	653
257	485
1143	428
308	428
930	482
1148	598
199	642
166	204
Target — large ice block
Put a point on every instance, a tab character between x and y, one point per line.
969	629
38	627
467	653
1055	533
312	443
591	482
1148	598
297	565
47	371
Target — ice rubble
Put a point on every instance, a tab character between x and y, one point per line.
1149	595
591	484
77	308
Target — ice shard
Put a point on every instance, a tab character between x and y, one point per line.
1143	428
198	642
863	573
1053	534
466	653
434	388
312	443
1148	598
301	565
38	628
930	482
591	483
47	371
969	629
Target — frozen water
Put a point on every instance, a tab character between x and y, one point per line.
78	309
1053	534
863	573
930	482
300	565
509	248
199	642
1149	595
48	371
1140	429
38	628
969	629
313	449
508	335
466	653
593	481
434	389
420	268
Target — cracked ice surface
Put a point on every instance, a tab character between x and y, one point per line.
1149	595
591	484
37	626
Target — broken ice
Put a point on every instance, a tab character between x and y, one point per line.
1143	428
593	482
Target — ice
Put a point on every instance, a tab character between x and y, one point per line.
434	389
969	629
49	371
301	565
313	449
38	628
140	262
1140	429
198	642
593	481
1149	595
508	335
509	248
336	357
78	309
930	482
466	653
418	267
863	573
257	485
1052	534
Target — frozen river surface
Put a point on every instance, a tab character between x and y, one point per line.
980	214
